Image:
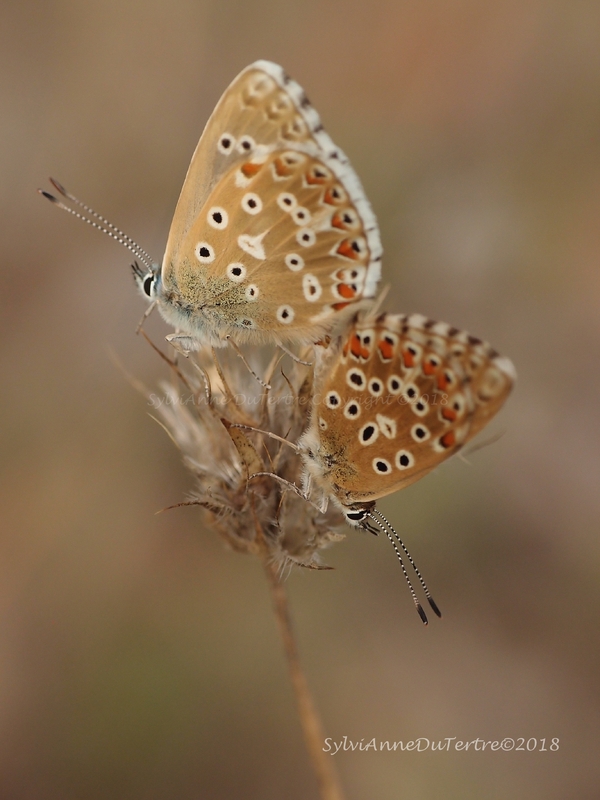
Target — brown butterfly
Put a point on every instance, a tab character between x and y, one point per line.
273	238
393	398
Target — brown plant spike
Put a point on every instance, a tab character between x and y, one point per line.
236	469
201	409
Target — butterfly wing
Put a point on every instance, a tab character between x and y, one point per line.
399	396
272	232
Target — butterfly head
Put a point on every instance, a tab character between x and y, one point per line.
147	279
358	514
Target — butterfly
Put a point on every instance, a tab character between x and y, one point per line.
273	237
394	397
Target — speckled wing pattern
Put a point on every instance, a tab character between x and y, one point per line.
397	396
273	237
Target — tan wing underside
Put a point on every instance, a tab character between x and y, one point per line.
449	412
262	103
235	113
316	277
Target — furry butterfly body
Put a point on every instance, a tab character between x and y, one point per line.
273	239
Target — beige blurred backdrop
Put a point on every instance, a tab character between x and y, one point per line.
138	657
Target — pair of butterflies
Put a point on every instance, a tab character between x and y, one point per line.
273	241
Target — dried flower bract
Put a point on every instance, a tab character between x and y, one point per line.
245	479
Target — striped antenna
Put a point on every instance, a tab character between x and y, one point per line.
390	532
102	225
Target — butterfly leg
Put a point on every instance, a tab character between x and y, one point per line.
246	364
293	356
287	484
145	316
182	343
267	433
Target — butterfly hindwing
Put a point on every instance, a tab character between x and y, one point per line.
399	396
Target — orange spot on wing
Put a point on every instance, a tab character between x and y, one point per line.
386	349
249	169
449	414
330	198
355	347
448	439
281	169
429	367
442	382
345	249
338	222
346	291
313	179
409	358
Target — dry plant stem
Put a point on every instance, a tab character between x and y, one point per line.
314	736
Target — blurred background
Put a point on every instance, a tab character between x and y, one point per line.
138	657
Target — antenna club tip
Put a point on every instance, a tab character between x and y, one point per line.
422	614
58	186
48	196
433	604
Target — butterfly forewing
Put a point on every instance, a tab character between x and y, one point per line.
217	152
272	232
395	399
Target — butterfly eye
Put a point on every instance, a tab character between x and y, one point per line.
356	516
148	284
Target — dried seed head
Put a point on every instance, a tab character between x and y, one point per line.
209	394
